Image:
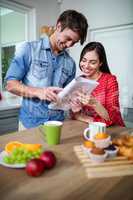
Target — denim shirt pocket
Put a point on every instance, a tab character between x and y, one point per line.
64	76
39	69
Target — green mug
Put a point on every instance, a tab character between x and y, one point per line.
52	132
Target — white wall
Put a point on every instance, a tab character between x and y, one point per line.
100	13
47	11
118	43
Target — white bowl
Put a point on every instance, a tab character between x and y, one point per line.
112	153
102	143
98	158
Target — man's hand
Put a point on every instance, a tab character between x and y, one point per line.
49	93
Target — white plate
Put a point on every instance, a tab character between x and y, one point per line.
2	155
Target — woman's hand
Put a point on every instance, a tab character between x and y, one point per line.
90	100
87	100
75	104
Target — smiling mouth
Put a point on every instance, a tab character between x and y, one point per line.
87	71
63	46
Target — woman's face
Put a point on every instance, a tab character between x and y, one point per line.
90	64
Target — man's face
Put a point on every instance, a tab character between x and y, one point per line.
66	38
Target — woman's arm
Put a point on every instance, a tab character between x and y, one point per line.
76	110
80	116
99	108
91	101
83	117
111	104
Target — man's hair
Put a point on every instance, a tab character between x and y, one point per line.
75	21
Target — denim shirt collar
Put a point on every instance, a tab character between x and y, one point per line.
46	43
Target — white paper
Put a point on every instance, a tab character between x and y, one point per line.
77	84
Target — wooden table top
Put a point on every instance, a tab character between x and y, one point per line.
68	179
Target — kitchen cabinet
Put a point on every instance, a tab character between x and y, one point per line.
8	120
9	111
128	114
128	117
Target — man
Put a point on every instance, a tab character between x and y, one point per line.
41	68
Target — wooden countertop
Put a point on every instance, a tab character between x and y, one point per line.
68	179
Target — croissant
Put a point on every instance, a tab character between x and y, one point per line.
125	144
126	151
129	141
118	141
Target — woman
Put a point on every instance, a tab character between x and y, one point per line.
103	104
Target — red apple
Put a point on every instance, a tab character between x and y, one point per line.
35	167
49	159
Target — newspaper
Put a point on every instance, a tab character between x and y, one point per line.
77	84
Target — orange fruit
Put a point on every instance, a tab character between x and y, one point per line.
32	147
11	145
101	136
89	144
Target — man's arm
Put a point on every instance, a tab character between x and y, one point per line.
17	70
48	93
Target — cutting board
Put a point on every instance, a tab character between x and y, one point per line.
111	167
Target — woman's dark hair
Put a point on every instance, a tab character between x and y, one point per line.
75	21
99	48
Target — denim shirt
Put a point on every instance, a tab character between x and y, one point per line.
35	65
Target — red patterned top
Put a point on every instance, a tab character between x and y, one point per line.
107	93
